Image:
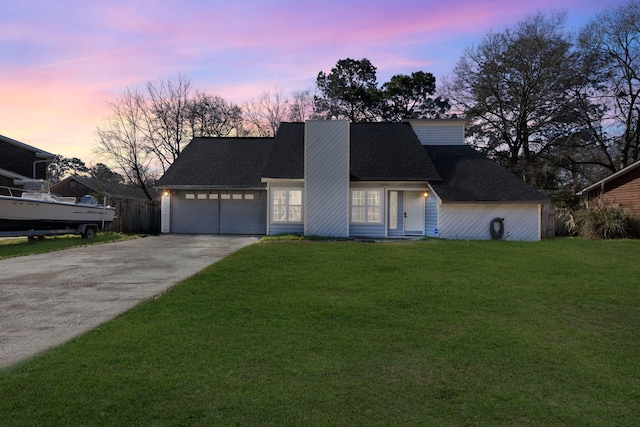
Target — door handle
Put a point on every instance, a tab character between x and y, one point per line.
405	214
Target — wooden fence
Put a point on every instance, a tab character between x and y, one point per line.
136	216
548	221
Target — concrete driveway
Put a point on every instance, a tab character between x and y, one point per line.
47	299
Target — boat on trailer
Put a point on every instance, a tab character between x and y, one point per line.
33	211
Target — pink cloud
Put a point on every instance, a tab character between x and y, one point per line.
61	64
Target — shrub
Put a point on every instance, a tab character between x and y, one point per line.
604	220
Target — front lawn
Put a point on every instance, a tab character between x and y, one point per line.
433	333
20	246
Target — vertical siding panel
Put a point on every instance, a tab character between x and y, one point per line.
438	132
327	178
431	216
471	221
366	230
275	229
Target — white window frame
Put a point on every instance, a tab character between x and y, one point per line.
366	206
286	205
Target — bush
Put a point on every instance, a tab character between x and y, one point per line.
604	220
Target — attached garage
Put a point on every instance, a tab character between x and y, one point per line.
216	187
218	212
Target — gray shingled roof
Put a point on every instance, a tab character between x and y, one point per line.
219	163
469	176
287	158
379	151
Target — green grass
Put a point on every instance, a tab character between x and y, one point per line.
20	246
433	333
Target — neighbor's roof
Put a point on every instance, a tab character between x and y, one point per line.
621	172
37	151
219	163
109	189
12	175
469	176
378	152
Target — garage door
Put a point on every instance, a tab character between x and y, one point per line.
195	213
243	212
240	212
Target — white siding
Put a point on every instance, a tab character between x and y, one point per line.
472	221
327	178
431	216
438	132
165	214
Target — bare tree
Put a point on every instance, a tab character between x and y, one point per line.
613	39
517	88
301	106
148	129
264	113
121	141
165	124
211	115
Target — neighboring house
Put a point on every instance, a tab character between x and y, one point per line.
134	211
622	187
341	179
19	161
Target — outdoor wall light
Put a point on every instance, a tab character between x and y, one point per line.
166	193
425	194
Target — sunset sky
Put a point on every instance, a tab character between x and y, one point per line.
61	61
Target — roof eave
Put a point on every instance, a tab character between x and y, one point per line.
209	187
609	178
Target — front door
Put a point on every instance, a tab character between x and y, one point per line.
413	213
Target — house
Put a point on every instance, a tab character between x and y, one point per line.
135	213
622	187
19	161
335	178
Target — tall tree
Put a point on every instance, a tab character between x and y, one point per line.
210	115
64	166
149	128
350	91
166	110
103	173
517	90
121	141
410	97
613	41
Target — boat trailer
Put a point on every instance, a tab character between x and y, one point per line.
87	231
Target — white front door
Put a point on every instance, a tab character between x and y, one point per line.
413	213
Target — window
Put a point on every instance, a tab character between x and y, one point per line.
366	206
287	205
393	210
